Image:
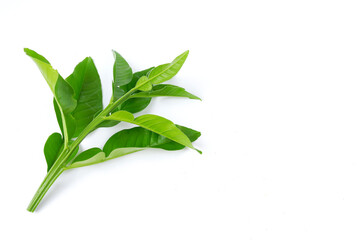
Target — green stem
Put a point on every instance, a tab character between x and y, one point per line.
63	159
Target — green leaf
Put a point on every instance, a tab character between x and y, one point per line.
129	141
132	105
63	92
143	84
122	75
135	105
141	138
165	90
139	104
88	157
51	75
122	116
86	83
52	148
167	71
155	124
69	120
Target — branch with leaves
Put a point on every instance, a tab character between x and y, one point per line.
79	111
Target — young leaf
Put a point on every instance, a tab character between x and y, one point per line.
85	81
165	90
52	148
122	75
167	71
155	124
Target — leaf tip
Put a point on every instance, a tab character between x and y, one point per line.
114	53
28	51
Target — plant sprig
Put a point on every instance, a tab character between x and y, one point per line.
79	111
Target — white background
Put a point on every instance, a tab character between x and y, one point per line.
280	120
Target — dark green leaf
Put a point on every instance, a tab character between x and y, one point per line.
86	83
122	75
165	90
132	105
64	94
135	105
52	148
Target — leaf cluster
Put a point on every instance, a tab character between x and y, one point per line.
79	110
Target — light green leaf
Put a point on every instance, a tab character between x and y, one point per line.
86	83
155	124
143	84
165	90
51	75
121	116
88	157
52	148
63	92
119	152
167	71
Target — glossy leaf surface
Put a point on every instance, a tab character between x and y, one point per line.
141	138
86	83
129	141
154	123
